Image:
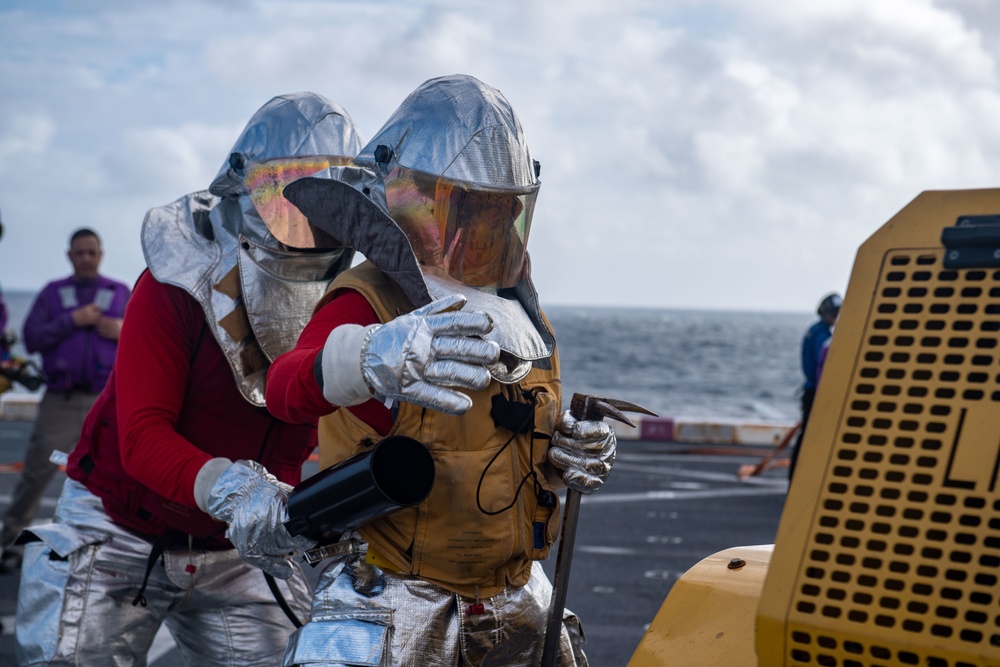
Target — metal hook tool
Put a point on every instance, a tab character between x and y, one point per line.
588	408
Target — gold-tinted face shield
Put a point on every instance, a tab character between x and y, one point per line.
476	235
266	180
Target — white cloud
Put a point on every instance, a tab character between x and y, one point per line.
696	154
24	136
152	160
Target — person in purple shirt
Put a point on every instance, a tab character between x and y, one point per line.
74	324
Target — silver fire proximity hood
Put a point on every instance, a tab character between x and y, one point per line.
441	202
251	259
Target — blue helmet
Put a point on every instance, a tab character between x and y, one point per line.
830	306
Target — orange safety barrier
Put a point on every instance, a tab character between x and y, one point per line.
769	462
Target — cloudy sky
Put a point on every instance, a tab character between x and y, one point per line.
717	154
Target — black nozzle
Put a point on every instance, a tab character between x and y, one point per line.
395	473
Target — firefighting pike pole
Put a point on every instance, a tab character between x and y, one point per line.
582	407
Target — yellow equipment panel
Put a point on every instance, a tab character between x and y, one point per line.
708	618
888	551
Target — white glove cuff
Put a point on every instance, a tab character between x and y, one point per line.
206	478
343	382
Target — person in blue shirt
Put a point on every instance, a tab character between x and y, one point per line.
813	342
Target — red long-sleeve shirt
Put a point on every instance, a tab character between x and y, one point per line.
292	392
177	406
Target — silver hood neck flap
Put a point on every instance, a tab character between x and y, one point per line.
257	295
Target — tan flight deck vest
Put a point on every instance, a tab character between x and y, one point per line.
446	539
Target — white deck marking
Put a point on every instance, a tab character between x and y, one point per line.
749	457
730	478
606	551
736	492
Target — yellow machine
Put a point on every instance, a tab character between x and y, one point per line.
888	550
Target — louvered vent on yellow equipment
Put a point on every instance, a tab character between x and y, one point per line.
889	548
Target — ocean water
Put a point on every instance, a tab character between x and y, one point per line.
681	363
678	363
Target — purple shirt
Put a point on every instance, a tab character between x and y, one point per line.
73	358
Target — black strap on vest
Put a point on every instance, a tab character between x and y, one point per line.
516	418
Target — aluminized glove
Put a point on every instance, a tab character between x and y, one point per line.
255	505
416	358
583	451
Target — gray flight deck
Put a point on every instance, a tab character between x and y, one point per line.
664	508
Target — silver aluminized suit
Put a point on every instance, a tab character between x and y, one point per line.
452	141
362	615
74	606
78	603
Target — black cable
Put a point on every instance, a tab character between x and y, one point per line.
528	421
273	585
